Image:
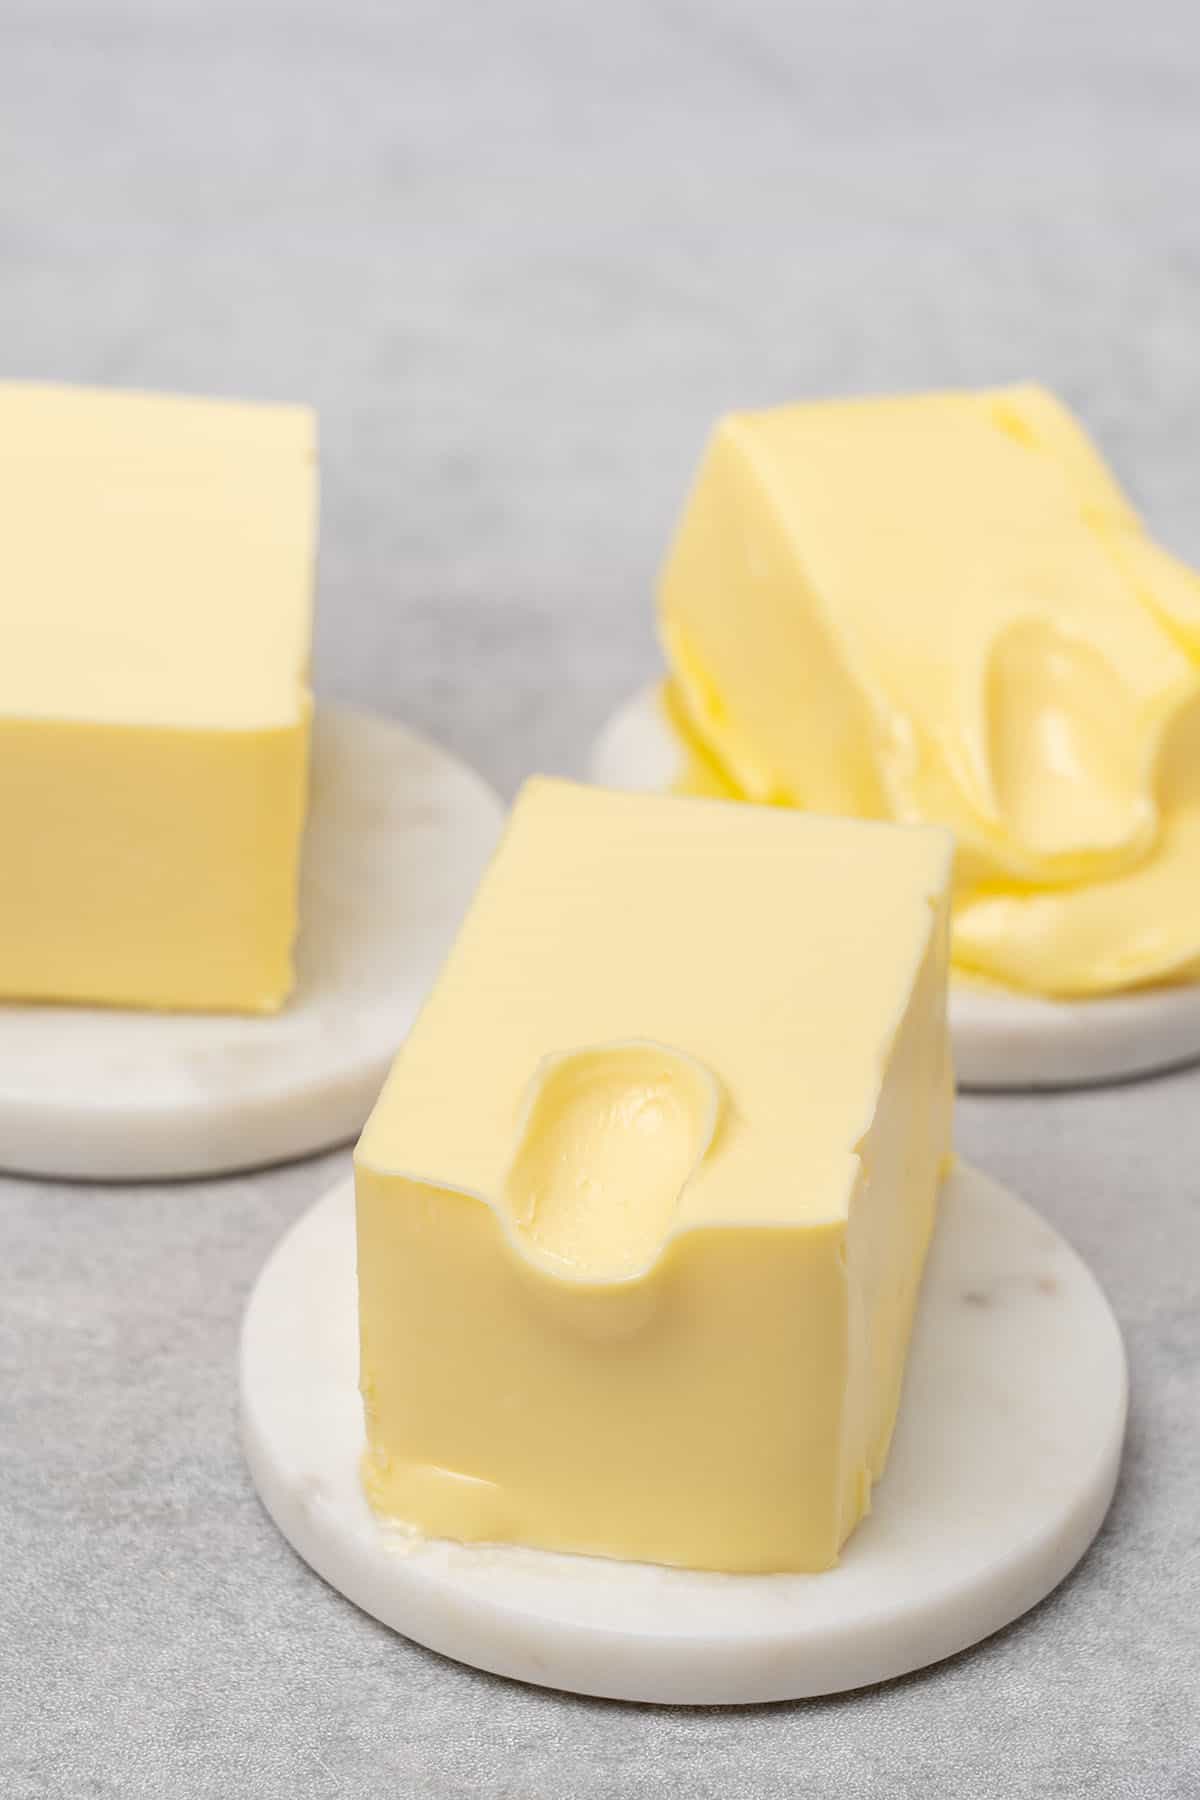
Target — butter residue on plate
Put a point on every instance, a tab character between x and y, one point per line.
942	608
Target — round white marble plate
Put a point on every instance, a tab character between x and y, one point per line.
1001	1039
1001	1471
397	837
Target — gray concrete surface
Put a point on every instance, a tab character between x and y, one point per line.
520	254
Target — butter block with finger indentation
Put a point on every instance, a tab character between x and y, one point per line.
644	1204
941	607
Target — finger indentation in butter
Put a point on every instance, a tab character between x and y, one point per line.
609	1137
1066	758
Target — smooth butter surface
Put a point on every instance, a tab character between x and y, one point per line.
644	1204
942	607
156	570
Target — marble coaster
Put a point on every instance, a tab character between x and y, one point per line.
397	837
1001	1471
1001	1039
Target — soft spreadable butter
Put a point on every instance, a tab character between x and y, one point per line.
156	572
644	1204
942	608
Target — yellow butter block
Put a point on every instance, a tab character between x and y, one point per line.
644	1204
156	568
941	607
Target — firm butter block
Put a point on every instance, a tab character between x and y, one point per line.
644	1204
941	607
156	567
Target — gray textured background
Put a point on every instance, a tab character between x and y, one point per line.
520	254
